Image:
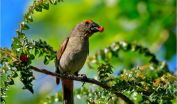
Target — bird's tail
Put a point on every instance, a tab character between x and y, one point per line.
57	79
67	86
57	70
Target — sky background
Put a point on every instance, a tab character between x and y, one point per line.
11	15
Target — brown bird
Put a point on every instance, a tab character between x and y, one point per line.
72	55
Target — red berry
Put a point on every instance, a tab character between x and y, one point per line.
24	58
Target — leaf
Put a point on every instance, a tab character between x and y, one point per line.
46	60
24	26
10	82
36	51
54	2
31	57
14	75
45	6
30	88
38	8
16	45
29	18
20	34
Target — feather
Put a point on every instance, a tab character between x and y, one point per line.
59	54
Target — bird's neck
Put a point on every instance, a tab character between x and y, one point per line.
79	38
79	33
83	37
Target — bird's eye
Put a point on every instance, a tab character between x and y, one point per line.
88	21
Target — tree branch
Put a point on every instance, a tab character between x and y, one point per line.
82	79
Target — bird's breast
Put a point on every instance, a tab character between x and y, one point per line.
75	54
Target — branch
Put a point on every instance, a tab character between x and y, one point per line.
82	79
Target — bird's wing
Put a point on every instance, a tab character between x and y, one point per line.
59	54
62	49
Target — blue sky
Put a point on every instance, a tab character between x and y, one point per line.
11	14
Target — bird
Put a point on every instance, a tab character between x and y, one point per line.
72	55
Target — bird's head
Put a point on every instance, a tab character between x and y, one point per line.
87	28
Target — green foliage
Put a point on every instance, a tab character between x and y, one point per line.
104	72
106	54
20	58
149	83
7	73
38	5
143	84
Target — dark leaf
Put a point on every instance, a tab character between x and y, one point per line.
31	57
29	18
10	82
15	75
54	2
38	8
45	6
46	60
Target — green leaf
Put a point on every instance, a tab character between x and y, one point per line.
29	18
14	75
38	8
10	82
46	60
54	2
45	6
31	57
20	35
36	51
16	45
24	26
29	87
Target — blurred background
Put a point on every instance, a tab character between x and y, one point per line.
151	24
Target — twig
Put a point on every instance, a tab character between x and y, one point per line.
82	79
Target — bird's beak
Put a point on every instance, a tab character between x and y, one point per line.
97	29
100	29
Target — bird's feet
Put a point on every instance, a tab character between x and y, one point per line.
83	76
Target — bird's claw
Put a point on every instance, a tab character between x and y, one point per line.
83	76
